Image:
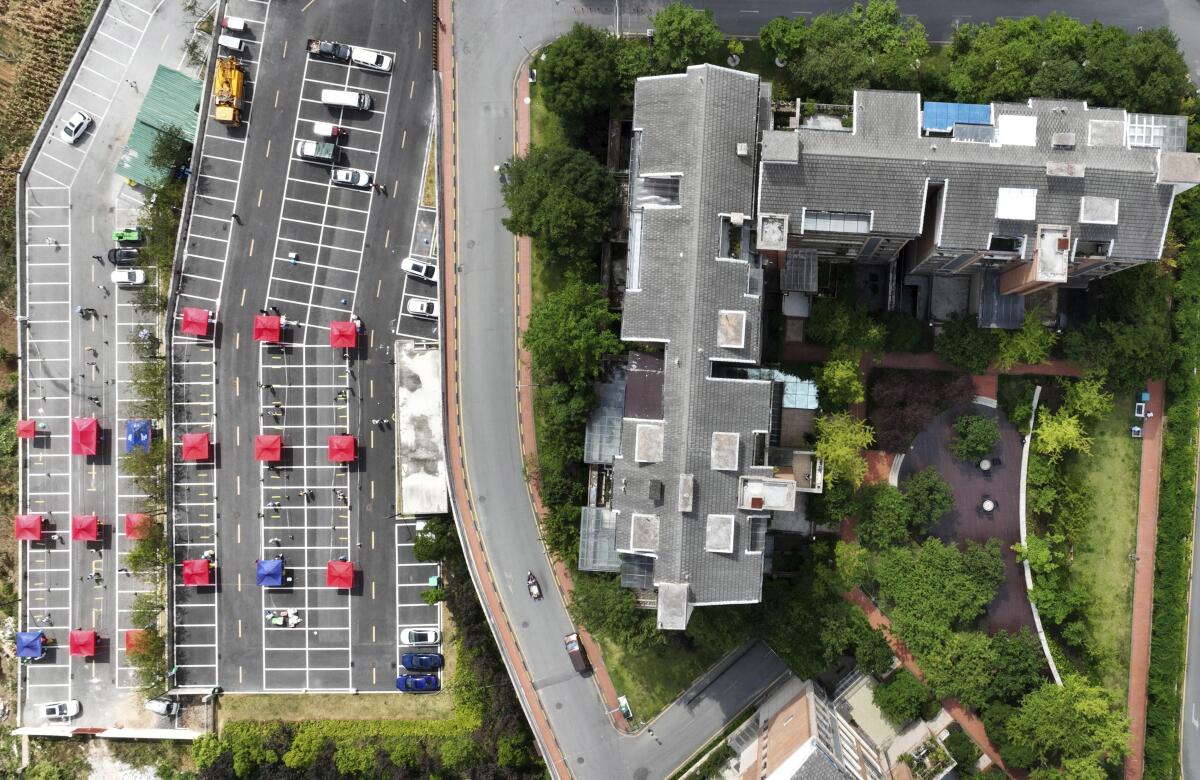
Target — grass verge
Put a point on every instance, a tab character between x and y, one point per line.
1102	556
653	678
429	187
544	130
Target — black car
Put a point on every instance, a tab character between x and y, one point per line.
422	661
123	255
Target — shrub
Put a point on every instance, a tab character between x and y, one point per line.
905	333
885	517
1030	344
974	436
843	322
840	441
903	402
928	497
964	344
902	698
838	384
962	749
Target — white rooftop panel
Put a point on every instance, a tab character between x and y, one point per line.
1016	203
1106	132
687	486
731	329
648	443
643	533
1017	130
724	451
1098	211
718	534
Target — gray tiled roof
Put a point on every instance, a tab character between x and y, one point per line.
882	167
691	124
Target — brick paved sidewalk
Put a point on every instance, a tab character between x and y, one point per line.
1143	580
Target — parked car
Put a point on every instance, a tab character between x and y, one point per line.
131	235
426	308
350	177
128	277
575	651
418	683
163	706
420	636
419	269
61	710
123	255
422	661
75	127
369	58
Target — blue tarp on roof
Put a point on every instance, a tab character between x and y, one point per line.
269	573
941	117
137	435
29	644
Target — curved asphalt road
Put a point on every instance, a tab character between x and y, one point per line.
492	39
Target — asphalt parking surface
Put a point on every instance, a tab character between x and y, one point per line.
272	233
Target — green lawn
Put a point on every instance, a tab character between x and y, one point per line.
652	679
1102	555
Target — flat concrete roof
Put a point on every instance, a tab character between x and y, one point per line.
421	451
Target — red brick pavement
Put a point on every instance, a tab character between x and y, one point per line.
1143	579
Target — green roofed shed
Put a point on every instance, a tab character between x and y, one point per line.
171	105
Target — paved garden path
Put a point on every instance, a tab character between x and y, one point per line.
1143	580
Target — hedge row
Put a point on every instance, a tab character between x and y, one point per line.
1174	546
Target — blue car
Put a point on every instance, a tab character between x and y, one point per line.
418	683
414	661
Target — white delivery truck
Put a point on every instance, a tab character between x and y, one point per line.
347	98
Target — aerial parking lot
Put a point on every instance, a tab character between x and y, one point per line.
292	282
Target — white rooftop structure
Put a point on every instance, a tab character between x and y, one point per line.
1016	203
767	493
723	454
718	534
648	446
421	451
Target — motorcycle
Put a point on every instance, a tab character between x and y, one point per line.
535	590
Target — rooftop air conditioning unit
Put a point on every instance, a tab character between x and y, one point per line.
737	218
743	149
1063	140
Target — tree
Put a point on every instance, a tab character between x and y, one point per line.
928	497
600	604
633	59
852	563
578	76
1020	665
563	199
570	335
1043	553
838	383
840	441
962	667
1076	721
1058	433
974	436
1085	398
782	39
902	698
1031	343
964	344
885	517
843	322
684	36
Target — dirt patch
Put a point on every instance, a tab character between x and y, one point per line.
104	765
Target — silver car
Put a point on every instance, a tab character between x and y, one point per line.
75	127
61	710
350	177
420	636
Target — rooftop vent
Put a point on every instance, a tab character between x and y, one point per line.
687	485
772	231
1066	169
743	149
655	493
1063	140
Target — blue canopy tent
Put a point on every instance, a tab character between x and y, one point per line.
137	435
29	644
269	573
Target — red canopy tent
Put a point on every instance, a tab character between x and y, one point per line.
268	447
85	435
134	638
342	334
194	446
26	429
197	571
195	321
341	449
266	328
27	527
85	528
339	574
83	643
137	525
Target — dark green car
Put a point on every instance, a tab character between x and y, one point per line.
128	235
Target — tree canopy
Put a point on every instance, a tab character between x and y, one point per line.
928	497
840	441
902	698
1031	343
1077	724
964	344
1058	433
562	198
578	75
974	436
885	517
570	335
838	383
684	36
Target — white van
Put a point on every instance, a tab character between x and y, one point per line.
347	99
231	42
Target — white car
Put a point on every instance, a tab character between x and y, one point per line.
419	269
420	636
75	127
369	58
422	307
61	710
128	277
350	177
